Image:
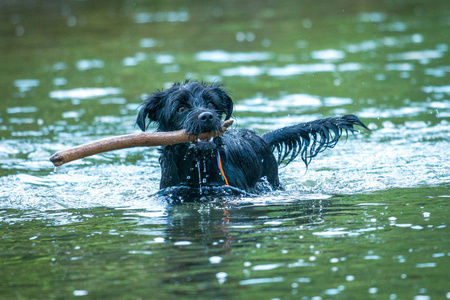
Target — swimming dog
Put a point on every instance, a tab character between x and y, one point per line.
239	158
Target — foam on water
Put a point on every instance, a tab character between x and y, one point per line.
109	186
398	157
395	156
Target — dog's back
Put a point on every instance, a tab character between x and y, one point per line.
248	158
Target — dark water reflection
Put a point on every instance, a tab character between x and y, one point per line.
358	246
368	219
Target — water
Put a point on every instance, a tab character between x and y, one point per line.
368	219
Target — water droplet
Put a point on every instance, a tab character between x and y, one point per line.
188	177
199	177
204	180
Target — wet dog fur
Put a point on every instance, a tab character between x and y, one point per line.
239	158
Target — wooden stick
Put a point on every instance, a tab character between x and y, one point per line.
142	139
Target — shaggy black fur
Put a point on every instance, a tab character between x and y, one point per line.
246	158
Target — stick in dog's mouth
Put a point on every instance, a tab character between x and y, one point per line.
142	139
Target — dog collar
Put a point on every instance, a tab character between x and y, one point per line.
219	164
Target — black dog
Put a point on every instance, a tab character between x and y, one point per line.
240	158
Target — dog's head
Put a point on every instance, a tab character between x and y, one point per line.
193	106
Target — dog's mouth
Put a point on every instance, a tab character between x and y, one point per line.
203	148
203	141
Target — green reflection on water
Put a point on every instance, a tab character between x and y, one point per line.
340	247
395	242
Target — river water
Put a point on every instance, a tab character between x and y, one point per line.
368	219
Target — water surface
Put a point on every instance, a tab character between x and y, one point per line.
368	219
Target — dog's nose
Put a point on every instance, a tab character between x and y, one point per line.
205	116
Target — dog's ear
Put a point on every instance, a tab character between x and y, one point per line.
151	108
229	106
226	101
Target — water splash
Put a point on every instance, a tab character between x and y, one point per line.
393	156
199	177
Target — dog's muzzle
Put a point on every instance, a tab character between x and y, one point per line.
202	121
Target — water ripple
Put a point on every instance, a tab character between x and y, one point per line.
24	85
223	56
86	64
291	69
84	93
171	16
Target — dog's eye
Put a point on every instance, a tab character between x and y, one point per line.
210	106
181	109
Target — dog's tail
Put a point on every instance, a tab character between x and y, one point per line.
310	138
